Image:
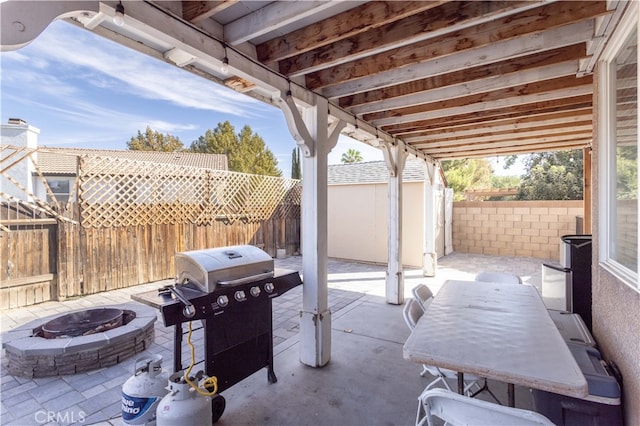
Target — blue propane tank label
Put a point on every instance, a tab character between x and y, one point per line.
137	410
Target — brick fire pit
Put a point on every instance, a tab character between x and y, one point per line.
31	355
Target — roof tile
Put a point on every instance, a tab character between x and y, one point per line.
372	172
63	161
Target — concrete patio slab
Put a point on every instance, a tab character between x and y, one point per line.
367	380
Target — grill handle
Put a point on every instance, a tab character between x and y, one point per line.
248	279
189	310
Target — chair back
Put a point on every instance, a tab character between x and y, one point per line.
457	409
411	313
423	295
498	277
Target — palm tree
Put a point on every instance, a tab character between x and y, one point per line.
351	156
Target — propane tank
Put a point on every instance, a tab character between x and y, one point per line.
183	406
142	392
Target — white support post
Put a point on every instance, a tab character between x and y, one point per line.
395	157
312	132
448	221
429	254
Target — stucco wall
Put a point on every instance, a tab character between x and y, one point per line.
19	135
513	228
615	306
358	222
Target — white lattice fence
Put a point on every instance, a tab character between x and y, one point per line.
122	192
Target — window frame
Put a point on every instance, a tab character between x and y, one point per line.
65	196
607	161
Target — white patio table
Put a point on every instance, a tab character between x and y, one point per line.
497	331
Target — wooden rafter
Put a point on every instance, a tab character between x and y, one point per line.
509	97
198	11
539	127
498	69
347	24
528	24
419	27
409	72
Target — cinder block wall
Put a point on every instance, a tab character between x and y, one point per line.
514	228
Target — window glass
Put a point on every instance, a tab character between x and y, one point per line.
624	247
59	186
60	189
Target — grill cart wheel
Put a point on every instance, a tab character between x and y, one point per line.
218	404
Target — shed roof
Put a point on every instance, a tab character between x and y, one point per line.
372	172
62	161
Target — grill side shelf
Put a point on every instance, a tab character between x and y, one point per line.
206	304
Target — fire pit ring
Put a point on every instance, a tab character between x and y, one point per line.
29	354
83	323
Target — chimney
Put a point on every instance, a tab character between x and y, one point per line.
17	121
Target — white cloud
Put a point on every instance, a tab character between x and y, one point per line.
24	79
167	127
109	65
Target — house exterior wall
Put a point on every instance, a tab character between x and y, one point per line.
358	222
615	305
513	228
20	135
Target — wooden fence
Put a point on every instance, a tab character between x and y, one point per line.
28	247
130	220
103	259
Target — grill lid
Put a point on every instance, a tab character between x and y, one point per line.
225	266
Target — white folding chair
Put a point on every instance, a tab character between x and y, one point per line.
498	277
423	295
456	409
412	313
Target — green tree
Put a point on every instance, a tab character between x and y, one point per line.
505	181
553	176
152	140
296	171
351	156
467	174
246	151
626	172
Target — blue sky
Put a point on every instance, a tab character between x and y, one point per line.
82	90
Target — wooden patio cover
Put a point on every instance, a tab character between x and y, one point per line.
445	79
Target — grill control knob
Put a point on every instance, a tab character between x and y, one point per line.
269	287
255	291
223	301
240	296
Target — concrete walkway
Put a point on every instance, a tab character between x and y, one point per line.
366	382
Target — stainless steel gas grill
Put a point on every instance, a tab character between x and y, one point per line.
230	289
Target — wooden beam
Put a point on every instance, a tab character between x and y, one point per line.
524	149
271	17
542	19
532	110
528	93
451	16
198	11
568	53
583	132
239	84
342	83
21	222
504	125
496	136
19	282
363	18
494	83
